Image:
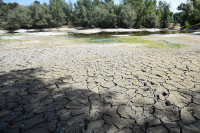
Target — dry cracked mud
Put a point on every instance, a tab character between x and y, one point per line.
94	89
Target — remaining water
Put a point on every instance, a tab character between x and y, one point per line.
110	34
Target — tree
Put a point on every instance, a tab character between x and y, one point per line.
127	15
138	6
57	13
146	12
5	8
191	11
165	15
150	18
2	10
154	22
18	18
179	17
68	10
40	15
94	13
110	20
88	14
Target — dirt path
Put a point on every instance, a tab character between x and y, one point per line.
98	89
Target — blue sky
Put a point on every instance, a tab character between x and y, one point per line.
174	3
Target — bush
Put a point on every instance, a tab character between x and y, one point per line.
186	25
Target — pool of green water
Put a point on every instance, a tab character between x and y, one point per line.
132	38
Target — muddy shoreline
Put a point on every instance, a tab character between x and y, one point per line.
91	31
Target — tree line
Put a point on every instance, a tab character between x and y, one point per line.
94	14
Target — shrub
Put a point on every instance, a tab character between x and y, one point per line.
186	25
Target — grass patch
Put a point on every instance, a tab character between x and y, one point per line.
162	45
136	40
128	39
133	40
125	39
175	45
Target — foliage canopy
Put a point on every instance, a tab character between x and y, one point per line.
97	13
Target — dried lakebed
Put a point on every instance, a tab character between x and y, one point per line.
48	86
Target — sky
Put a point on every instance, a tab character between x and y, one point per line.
174	3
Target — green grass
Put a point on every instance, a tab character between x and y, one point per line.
136	40
129	39
173	45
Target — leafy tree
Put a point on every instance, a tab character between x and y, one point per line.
179	17
82	12
4	8
57	13
146	12
68	10
91	13
191	11
127	15
110	18
154	22
138	6
40	14
165	15
18	18
102	15
150	18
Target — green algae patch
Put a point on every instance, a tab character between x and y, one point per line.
127	39
136	40
149	43
176	45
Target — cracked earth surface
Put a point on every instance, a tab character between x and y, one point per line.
99	89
